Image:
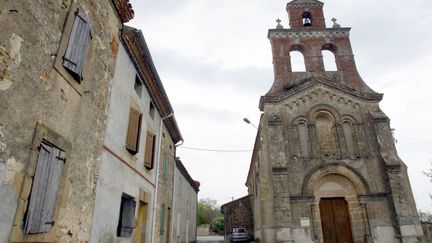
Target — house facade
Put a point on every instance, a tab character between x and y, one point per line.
185	200
87	132
137	139
57	63
325	167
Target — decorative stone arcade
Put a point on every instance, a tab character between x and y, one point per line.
325	168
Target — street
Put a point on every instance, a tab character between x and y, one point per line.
210	239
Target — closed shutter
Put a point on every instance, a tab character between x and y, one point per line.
149	151
127	217
46	181
133	134
78	45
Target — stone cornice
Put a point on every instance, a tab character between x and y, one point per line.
124	10
308	33
305	3
275	98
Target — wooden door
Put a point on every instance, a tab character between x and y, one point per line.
335	220
140	234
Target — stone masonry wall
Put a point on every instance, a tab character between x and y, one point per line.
33	91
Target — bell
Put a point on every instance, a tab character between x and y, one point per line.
307	22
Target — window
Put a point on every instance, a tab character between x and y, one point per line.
349	140
127	220
325	130
151	110
303	139
78	46
133	133
307	19
149	151
138	86
46	180
162	220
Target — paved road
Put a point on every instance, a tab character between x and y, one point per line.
210	239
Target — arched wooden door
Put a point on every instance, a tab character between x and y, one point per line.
335	220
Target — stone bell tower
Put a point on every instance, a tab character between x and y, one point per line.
325	167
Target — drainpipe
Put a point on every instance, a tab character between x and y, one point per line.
157	173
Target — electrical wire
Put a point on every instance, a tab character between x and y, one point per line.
218	150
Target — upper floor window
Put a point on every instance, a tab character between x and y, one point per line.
151	110
78	46
307	19
138	86
149	155
133	133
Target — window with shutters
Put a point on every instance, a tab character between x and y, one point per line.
149	155
74	48
78	45
133	132
127	220
46	181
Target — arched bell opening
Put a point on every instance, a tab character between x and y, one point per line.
307	19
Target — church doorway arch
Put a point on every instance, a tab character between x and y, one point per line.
339	217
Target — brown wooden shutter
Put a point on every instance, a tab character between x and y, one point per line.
133	134
46	181
78	45
149	151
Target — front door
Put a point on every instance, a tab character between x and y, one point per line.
335	220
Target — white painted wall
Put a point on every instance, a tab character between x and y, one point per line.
115	178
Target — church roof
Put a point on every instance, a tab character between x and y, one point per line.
305	2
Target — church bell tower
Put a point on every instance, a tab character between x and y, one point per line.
325	167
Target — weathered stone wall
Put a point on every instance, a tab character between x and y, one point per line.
32	91
323	135
165	188
239	214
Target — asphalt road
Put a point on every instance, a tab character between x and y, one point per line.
210	239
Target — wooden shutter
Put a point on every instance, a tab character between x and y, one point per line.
149	151
127	217
78	45
133	134
46	181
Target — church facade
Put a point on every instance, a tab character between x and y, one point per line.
324	166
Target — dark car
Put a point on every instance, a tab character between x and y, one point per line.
239	234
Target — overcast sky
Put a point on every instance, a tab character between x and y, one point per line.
214	59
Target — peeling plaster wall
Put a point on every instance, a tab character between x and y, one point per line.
32	90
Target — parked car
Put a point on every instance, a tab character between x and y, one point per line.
239	234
